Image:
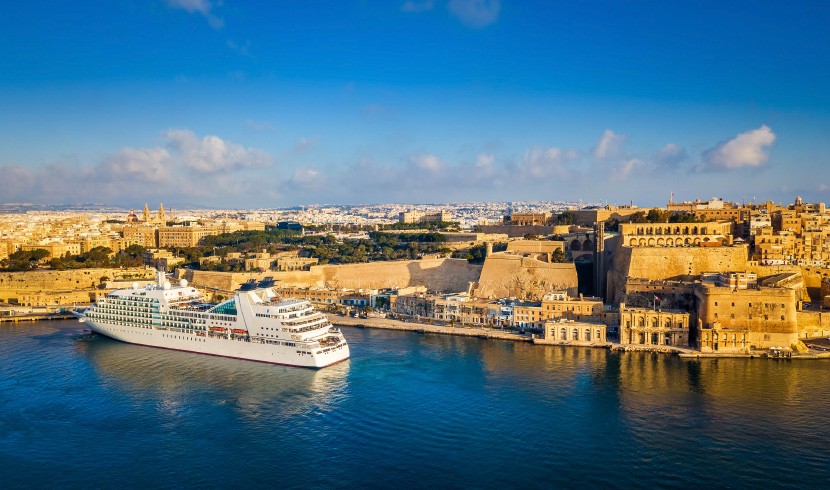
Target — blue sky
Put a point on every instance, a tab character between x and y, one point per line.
241	104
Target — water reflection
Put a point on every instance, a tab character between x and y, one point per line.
251	388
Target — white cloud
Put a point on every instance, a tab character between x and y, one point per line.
143	164
202	7
608	145
211	153
475	13
307	178
624	170
670	156
484	161
426	162
747	150
417	6
540	163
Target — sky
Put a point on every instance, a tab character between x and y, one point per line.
249	104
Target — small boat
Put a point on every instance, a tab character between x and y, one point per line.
218	329
239	331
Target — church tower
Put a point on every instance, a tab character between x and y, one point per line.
162	217
146	213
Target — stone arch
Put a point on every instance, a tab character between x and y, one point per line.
575	246
694	231
587	245
676	230
686	230
642	242
661	242
697	241
633	242
651	242
669	242
688	241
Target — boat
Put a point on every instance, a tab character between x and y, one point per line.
254	324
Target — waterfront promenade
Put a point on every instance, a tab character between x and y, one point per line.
491	333
412	326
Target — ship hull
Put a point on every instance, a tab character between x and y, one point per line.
237	349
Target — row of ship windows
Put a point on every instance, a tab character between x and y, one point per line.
195	339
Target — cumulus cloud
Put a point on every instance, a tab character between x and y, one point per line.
426	162
541	163
624	169
143	164
307	178
608	145
416	6
747	150
201	7
484	161
670	156
211	153
475	13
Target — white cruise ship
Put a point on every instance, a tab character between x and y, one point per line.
255	324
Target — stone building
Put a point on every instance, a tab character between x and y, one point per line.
412	216
731	319
184	236
530	219
675	234
574	333
646	326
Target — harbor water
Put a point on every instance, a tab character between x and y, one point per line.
406	411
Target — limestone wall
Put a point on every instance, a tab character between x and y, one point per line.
446	275
38	286
666	263
506	275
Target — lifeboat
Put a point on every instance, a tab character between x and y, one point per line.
239	331
218	329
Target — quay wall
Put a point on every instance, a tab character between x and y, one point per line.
50	287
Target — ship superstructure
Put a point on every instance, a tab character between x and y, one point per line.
255	324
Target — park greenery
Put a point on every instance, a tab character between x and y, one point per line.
98	257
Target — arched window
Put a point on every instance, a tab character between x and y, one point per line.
576	334
588	334
564	334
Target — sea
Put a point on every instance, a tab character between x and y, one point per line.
407	410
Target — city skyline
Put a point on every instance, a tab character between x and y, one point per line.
245	104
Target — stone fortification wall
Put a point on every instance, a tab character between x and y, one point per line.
447	275
517	231
667	263
45	283
506	275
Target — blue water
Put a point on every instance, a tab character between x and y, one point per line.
406	411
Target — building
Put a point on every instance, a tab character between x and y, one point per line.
184	235
412	216
647	326
712	233
530	219
573	333
737	320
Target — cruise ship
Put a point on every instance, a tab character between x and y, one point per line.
255	324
